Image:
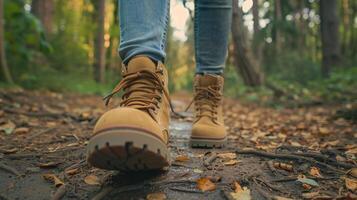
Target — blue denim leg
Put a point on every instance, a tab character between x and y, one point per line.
143	27
212	26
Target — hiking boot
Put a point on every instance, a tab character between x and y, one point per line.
208	129
134	136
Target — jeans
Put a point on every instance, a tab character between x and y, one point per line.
143	28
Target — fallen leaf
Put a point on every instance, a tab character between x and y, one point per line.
324	131
156	196
182	158
231	162
197	171
49	164
351	184
244	194
8	127
281	198
204	184
54	179
310	195
314	171
92	180
227	155
21	130
237	187
308	181
306	186
72	171
353	172
283	166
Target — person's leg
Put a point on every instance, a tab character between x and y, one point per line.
134	136
212	27
143	27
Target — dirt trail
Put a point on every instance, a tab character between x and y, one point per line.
292	153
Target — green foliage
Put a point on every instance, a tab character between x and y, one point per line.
24	36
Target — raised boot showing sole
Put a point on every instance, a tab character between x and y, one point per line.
208	129
134	136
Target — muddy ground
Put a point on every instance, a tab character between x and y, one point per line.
297	153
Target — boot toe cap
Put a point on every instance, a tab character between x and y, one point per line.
208	131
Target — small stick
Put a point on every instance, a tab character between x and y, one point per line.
22	155
185	190
9	169
40	133
288	157
61	191
326	159
207	162
103	193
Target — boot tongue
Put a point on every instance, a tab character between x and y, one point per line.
209	80
139	63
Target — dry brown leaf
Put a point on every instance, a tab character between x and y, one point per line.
8	127
21	130
49	164
306	186
310	195
182	158
353	172
324	131
227	155
231	162
54	179
72	171
243	194
351	184
156	196
237	187
281	198
314	171
283	166
92	180
204	184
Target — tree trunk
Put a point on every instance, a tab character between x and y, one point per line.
3	62
43	9
257	44
329	36
99	50
246	65
278	18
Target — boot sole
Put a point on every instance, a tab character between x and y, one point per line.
127	149
208	143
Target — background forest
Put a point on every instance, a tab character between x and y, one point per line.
287	51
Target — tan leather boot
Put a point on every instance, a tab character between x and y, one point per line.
208	128
134	136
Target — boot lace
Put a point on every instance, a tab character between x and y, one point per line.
206	102
147	93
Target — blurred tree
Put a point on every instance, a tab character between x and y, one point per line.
329	36
257	43
278	21
3	63
99	49
246	65
43	9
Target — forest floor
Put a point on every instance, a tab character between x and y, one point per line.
300	153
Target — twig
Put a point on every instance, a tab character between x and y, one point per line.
185	190
103	193
61	191
76	165
40	133
22	155
35	114
324	158
287	157
9	169
287	179
207	162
